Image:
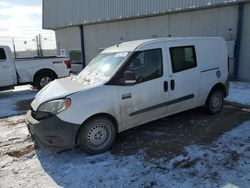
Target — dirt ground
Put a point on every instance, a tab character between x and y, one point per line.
169	136
164	138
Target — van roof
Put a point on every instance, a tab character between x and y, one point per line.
132	45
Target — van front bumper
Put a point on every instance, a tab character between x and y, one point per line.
52	132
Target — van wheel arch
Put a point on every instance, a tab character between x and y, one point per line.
218	86
215	99
112	118
38	74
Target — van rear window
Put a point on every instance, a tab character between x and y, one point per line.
2	54
182	58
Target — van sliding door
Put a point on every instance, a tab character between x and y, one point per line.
184	77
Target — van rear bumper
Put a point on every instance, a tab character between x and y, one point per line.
52	132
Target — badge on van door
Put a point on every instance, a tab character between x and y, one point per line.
126	96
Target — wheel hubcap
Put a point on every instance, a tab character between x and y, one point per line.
98	136
44	81
216	101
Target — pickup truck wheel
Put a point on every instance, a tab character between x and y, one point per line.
42	79
97	135
215	101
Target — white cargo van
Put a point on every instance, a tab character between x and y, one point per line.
37	71
127	85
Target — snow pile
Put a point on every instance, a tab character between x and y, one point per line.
239	92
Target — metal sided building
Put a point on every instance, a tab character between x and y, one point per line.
89	26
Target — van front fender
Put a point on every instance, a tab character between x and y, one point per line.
80	113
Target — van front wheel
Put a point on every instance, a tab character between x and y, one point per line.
97	135
215	101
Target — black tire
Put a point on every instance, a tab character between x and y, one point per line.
43	78
215	101
97	135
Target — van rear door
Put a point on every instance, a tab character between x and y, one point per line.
183	76
6	69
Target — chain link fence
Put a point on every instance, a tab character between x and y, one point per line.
36	46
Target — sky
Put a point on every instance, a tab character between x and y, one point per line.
22	20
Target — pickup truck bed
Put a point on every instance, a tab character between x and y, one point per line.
38	71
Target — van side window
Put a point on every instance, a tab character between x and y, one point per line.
147	65
2	54
182	58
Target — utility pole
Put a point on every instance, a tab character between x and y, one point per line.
14	47
40	45
37	46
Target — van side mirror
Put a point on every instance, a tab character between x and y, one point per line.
129	78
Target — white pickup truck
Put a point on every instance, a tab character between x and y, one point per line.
37	71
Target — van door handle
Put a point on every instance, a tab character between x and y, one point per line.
172	84
165	85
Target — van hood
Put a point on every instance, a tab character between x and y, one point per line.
58	89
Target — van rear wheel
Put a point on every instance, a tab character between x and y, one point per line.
97	135
215	101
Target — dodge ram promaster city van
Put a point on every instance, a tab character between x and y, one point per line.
127	85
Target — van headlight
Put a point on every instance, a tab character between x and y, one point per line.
54	107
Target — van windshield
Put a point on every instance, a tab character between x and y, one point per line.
102	68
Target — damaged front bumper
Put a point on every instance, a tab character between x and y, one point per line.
52	132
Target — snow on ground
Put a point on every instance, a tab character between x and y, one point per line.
224	162
9	100
239	92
